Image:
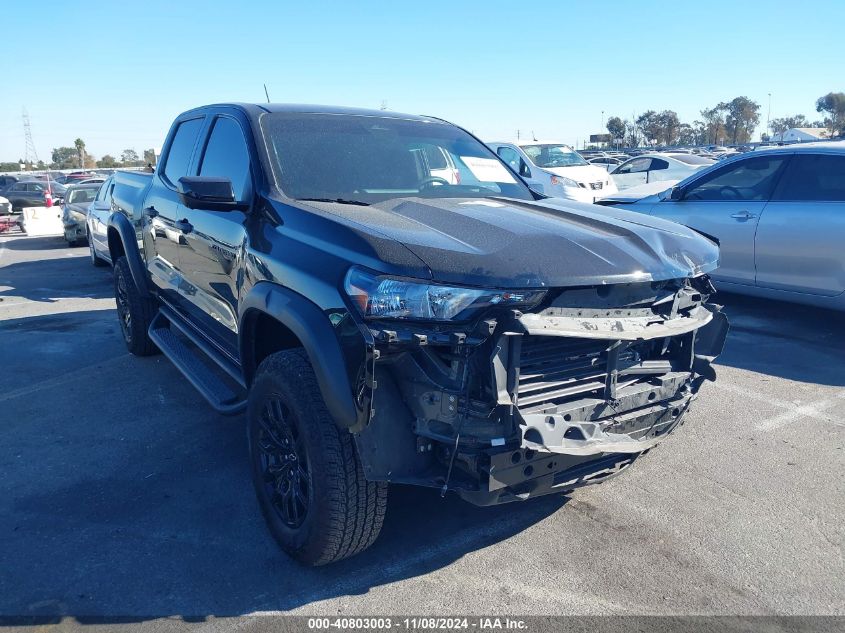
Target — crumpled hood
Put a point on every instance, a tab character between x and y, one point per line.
507	243
580	173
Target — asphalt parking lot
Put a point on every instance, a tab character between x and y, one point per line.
124	494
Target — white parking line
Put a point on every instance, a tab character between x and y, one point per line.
794	411
816	410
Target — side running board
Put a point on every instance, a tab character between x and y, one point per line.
212	387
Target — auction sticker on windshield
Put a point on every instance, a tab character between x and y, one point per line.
487	169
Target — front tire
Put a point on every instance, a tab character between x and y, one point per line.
307	474
134	311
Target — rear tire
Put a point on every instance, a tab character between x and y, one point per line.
134	311
307	474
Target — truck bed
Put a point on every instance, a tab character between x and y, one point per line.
130	187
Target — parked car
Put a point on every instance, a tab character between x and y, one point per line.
78	176
31	193
779	215
555	169
74	212
7	180
99	212
650	167
5	206
378	324
606	162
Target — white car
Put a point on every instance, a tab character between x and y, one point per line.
655	167
606	162
556	170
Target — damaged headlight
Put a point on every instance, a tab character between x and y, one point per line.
379	296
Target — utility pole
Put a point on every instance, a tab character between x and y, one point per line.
266	94
601	129
769	113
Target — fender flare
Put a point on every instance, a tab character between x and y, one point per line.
314	330
129	239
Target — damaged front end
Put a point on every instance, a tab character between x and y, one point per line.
518	403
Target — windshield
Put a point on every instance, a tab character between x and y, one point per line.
369	159
553	155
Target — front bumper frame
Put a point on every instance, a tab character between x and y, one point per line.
423	421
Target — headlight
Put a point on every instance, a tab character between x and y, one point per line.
378	296
563	181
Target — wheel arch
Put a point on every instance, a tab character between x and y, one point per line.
273	319
123	242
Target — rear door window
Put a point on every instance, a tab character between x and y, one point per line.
813	177
181	150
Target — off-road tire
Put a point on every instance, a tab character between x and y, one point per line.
345	512
134	311
96	260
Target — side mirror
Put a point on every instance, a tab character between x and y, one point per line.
676	193
101	205
208	193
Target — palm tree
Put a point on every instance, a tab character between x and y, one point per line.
80	151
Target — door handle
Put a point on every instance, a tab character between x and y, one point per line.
743	215
151	212
184	226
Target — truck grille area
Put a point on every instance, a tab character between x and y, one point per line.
556	370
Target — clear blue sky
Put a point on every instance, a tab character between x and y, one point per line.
115	73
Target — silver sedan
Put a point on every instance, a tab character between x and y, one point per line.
779	216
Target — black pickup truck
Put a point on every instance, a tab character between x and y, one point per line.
383	319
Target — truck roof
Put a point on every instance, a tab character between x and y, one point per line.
254	109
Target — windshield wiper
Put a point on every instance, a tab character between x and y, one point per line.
336	201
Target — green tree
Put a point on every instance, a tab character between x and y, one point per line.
10	166
714	124
741	118
129	157
149	157
632	134
64	158
667	126
833	104
686	134
107	161
649	124
79	144
616	127
779	126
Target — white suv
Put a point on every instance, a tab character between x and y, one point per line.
556	170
